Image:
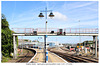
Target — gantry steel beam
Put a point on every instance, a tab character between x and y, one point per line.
55	34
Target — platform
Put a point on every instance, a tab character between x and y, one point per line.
52	58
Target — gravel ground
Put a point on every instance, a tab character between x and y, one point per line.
20	56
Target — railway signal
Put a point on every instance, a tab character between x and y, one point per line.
60	32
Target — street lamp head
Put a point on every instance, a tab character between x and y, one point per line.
41	15
51	15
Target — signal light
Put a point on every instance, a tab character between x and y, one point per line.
60	32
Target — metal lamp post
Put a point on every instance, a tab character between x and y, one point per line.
79	36
45	36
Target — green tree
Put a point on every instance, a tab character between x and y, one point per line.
6	38
25	40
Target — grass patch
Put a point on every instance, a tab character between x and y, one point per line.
5	59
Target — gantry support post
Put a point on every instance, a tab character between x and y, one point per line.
93	44
84	46
15	48
45	50
96	47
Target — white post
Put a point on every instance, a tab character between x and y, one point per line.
69	47
15	48
93	43
22	44
85	50
46	27
79	50
96	47
90	47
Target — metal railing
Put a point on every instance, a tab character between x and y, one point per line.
67	30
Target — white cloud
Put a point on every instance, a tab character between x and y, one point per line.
79	4
83	5
93	9
59	16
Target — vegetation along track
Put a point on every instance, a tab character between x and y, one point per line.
30	53
75	59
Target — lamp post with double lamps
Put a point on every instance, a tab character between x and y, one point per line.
45	36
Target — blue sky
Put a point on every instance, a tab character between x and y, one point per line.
24	14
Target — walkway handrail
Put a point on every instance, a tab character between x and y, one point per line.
67	30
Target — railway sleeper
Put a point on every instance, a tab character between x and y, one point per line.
26	57
79	60
80	57
88	59
91	60
69	59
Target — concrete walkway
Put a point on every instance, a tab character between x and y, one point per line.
52	58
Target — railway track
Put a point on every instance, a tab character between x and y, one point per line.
75	59
96	59
26	57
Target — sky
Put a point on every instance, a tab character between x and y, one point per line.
24	14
